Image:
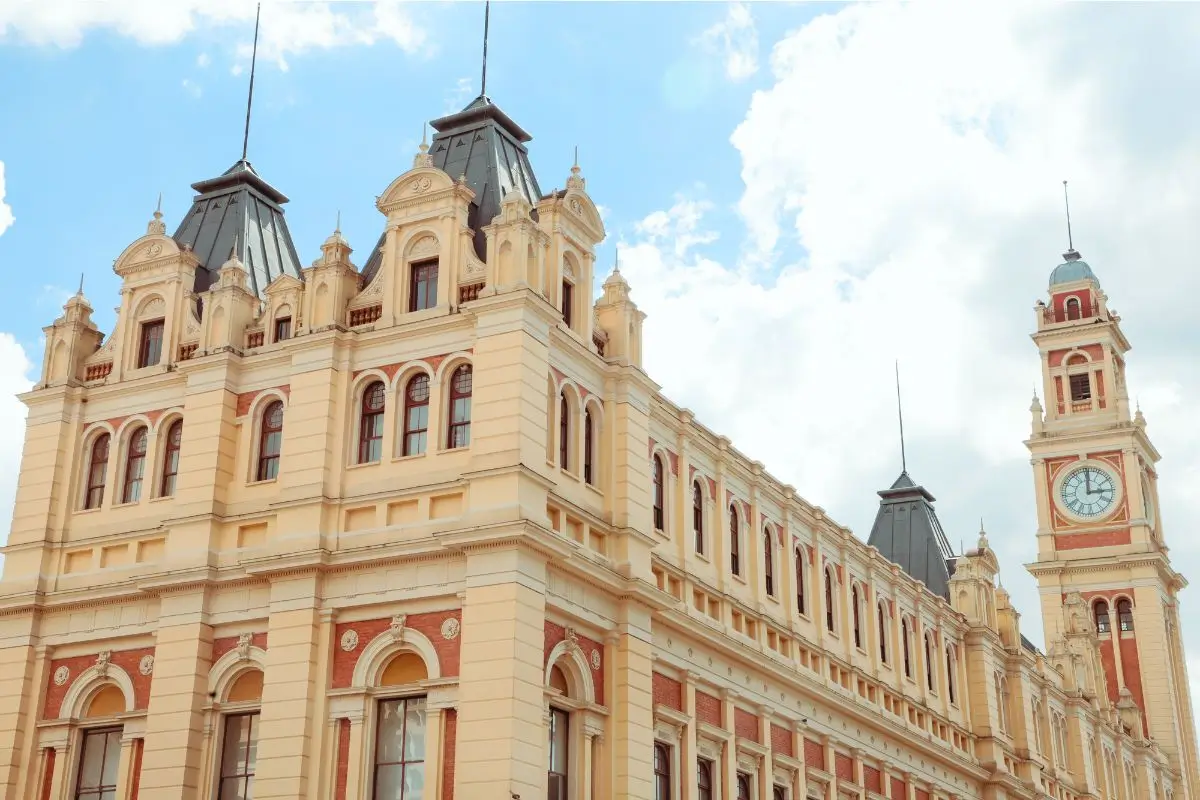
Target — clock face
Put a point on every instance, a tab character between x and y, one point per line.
1088	492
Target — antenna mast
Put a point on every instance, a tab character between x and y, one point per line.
900	414
250	98
1070	240
487	8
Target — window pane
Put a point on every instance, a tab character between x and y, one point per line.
112	758
92	767
389	745
389	782
414	781
414	731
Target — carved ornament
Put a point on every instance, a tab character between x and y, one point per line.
62	675
350	640
102	662
146	665
243	646
451	629
396	629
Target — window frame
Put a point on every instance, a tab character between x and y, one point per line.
768	560
1084	385
282	325
906	643
96	460
133	476
952	674
801	584
404	700
370	438
247	777
564	431
149	345
704	778
410	446
589	447
1101	617
1125	621
856	613
931	662
663	784
96	793
422	293
698	516
658	493
564	778
568	303
458	410
735	541
883	616
172	446
265	457
743	786
830	606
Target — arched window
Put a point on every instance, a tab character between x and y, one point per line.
1100	611
1002	701
1125	614
662	771
460	407
400	747
416	415
801	604
170	464
98	764
1036	713
704	779
698	515
589	448
370	423
951	672
135	466
743	786
829	618
564	432
97	469
735	543
769	561
881	612
659	478
930	663
270	442
1073	308
857	615
904	639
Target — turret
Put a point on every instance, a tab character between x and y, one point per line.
620	321
69	340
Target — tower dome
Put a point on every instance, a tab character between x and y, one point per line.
1073	268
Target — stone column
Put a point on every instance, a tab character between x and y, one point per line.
766	783
63	753
20	701
434	721
729	752
633	705
801	787
688	759
126	765
324	742
355	769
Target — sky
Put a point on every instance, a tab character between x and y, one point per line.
802	195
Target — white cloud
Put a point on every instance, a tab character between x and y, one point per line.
192	88
904	169
6	215
288	29
735	38
463	91
14	370
203	60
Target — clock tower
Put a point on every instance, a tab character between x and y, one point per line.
1100	532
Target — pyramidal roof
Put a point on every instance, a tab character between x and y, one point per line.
484	145
238	209
907	532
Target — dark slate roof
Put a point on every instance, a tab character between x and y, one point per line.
1028	645
484	144
907	533
239	208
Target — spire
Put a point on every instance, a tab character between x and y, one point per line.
80	292
250	96
487	9
900	415
1071	254
156	227
576	180
422	158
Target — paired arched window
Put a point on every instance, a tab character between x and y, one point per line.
1002	701
905	639
370	424
135	466
1125	614
564	432
270	442
461	383
856	612
769	561
698	516
801	604
97	469
704	779
416	415
735	542
662	771
829	615
659	479
882	614
743	786
589	448
170	463
951	673
930	662
1100	612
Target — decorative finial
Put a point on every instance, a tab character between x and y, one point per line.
1036	405
250	96
487	10
156	225
575	166
1071	254
158	208
80	292
900	414
616	259
983	540
337	228
576	180
422	158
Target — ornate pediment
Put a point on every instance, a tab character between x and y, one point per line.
416	184
148	252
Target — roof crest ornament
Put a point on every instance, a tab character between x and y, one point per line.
422	158
156	227
576	180
250	96
1071	254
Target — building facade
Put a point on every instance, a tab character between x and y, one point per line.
426	529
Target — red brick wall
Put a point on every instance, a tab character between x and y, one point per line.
708	709
814	754
136	782
127	660
343	758
246	399
1131	666
224	644
1059	303
430	625
668	692
843	767
899	790
449	748
555	633
872	779
1078	541
48	776
745	724
781	740
1095	351
921	794
1109	663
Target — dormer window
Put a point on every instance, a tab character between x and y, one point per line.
283	328
150	345
1081	387
568	302
422	289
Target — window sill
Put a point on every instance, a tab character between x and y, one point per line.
161	498
444	450
425	313
90	510
738	578
409	457
702	557
593	487
362	464
263	482
129	504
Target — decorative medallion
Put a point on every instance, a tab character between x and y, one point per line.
62	675
102	662
576	206
154	249
450	628
146	665
425	246
350	640
595	659
421	184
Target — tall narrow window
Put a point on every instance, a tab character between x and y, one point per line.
564	432
459	434
857	613
270	442
97	469
1081	387
779	793
400	749
589	445
769	562
905	645
239	755
568	302
698	515
829	620
422	287
662	771
930	663
170	464
704	779
557	773
743	786
1073	308
370	423
283	328
801	604
951	672
881	613
135	466
416	414
1125	614
735	543
659	478
98	765
1103	625
150	346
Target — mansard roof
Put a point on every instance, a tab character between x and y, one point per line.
907	532
238	209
